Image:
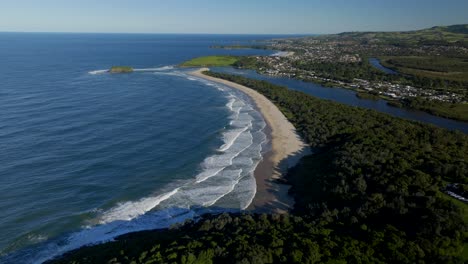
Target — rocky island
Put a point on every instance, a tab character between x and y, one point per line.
120	69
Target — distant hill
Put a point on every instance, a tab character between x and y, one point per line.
440	35
458	29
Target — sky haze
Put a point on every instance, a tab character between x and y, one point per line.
228	17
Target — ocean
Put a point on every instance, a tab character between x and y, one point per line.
87	155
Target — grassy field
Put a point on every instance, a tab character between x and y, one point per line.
211	61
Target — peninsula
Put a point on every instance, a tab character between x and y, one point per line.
211	61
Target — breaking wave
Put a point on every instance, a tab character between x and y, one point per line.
98	72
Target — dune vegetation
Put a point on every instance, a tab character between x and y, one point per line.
211	61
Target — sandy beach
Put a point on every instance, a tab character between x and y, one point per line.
286	150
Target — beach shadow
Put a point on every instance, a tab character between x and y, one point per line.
278	188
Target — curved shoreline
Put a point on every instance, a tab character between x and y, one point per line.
287	148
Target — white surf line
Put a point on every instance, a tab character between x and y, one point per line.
201	179
98	72
107	232
230	162
251	173
164	68
230	142
231	103
131	210
231	188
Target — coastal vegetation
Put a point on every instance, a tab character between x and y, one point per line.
211	61
367	96
121	69
370	193
450	110
450	68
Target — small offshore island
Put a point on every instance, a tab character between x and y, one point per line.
121	69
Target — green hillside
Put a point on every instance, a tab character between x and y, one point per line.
435	35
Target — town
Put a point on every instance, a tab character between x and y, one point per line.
347	52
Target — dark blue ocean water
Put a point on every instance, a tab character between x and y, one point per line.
87	155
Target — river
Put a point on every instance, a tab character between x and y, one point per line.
349	97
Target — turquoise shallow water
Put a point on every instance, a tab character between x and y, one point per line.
86	155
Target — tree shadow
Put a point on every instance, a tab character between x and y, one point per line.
277	189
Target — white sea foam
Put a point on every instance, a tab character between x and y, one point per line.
208	173
104	233
170	73
207	193
231	103
164	68
98	72
130	210
228	190
212	84
248	186
217	163
230	137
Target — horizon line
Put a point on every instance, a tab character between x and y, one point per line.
201	33
159	33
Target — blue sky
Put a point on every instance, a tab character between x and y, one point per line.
233	16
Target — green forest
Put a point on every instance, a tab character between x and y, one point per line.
370	193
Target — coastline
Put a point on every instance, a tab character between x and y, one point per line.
287	148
